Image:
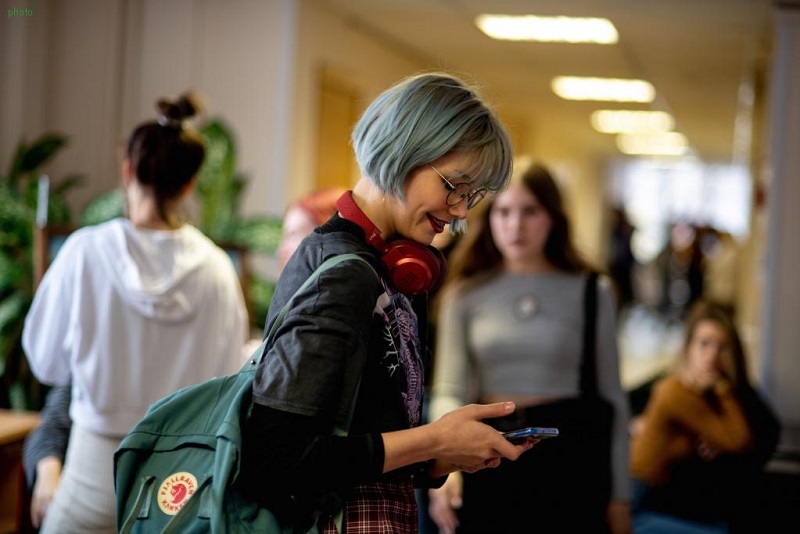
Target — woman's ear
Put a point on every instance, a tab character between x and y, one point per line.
189	187
126	172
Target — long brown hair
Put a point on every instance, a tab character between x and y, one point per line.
476	258
477	253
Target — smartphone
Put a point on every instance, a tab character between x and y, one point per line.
532	432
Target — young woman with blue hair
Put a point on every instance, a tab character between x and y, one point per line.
428	149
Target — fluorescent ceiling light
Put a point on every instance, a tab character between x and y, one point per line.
548	29
653	144
630	121
607	89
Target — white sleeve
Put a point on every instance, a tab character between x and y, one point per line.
45	334
237	324
451	357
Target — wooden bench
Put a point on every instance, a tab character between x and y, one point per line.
14	426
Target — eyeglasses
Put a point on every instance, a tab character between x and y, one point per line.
458	193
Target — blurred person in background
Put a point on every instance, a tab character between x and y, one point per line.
720	269
704	436
621	261
680	265
510	320
302	216
44	448
43	452
130	310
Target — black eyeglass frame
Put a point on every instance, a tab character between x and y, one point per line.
472	197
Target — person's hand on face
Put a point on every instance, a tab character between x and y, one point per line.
704	353
705	450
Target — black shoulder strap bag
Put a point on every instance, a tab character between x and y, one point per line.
600	412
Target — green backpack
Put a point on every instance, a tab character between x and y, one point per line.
175	470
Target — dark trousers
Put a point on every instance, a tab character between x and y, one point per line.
558	486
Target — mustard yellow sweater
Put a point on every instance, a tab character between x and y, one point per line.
675	420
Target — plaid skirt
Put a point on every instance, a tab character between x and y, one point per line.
388	507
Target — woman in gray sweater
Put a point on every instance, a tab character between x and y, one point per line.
510	326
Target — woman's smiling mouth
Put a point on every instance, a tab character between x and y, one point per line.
438	224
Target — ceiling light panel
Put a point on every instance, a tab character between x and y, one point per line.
653	144
631	121
603	89
548	29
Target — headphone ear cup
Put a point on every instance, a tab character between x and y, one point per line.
414	268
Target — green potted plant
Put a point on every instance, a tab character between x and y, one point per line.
19	192
220	188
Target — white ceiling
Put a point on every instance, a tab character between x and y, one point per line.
696	53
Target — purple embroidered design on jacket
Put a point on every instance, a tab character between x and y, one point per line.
401	333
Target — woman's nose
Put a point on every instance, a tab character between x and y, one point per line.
459	211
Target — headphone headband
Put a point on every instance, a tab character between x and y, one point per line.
349	210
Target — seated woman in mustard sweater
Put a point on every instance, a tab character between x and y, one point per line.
703	437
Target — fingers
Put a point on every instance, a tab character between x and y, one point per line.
490	463
444	517
38	509
488	411
466	443
443	503
473	444
43	492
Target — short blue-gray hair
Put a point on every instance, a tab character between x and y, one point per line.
423	118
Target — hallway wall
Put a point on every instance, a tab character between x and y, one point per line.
94	69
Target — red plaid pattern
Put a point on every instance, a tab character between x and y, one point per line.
380	508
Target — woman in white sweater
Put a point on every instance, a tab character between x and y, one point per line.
129	311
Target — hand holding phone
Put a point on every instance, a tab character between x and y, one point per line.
530	433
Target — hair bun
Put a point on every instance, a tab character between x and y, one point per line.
174	113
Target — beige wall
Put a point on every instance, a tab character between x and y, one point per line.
329	50
93	69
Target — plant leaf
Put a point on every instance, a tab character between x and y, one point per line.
66	184
41	150
258	234
215	184
11	273
16	218
103	207
259	295
14	172
12	315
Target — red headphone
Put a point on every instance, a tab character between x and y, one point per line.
413	268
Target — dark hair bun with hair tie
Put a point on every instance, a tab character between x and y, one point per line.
173	114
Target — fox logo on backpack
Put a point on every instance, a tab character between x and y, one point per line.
175	471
